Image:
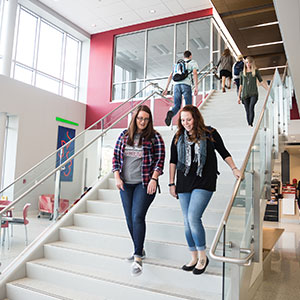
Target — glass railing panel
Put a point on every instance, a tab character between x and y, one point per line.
240	232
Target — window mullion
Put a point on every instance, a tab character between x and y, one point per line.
62	62
37	41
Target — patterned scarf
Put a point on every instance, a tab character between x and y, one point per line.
184	150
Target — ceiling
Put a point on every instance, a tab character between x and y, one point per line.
239	15
96	16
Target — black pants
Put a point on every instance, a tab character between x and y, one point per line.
249	104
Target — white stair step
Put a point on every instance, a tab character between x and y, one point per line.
161	231
155	283
156	212
34	289
122	246
88	256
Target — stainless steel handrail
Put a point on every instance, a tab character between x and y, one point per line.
156	78
77	136
91	126
83	148
240	261
13	203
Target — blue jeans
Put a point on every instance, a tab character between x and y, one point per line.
136	202
179	91
249	104
193	205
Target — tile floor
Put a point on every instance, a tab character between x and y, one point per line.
281	278
17	241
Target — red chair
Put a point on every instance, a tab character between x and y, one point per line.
21	221
46	204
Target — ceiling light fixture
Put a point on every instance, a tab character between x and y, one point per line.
265	44
94	25
259	25
270	68
152	11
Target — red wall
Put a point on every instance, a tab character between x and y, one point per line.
101	64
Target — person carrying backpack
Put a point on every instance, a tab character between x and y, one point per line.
184	75
237	69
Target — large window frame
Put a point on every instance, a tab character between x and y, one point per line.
63	84
1	22
214	33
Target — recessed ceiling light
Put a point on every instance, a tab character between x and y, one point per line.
265	44
152	11
259	25
94	25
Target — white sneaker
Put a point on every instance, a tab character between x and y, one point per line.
136	268
131	258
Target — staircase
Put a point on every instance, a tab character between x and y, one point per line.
87	261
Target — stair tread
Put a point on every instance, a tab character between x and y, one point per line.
147	260
162	284
52	290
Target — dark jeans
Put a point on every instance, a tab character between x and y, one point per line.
136	202
237	82
249	104
179	91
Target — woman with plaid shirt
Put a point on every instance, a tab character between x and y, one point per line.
138	160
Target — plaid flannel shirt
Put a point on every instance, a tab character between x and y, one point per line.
152	160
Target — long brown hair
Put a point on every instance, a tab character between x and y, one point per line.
148	133
226	52
199	129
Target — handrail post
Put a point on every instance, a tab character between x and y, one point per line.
203	88
152	104
57	189
56	195
235	275
101	150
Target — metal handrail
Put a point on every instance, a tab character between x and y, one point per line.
246	260
91	126
156	78
13	203
3	211
72	140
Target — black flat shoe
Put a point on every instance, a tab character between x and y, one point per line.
188	268
200	271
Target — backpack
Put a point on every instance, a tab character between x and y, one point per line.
238	68
180	70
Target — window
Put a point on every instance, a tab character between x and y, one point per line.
150	54
199	41
45	56
1	19
129	64
160	51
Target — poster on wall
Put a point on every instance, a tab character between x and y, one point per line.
65	135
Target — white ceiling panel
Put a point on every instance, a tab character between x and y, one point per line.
174	7
137	4
96	16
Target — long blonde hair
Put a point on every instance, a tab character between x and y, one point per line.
253	66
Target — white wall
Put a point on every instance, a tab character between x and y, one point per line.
37	110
